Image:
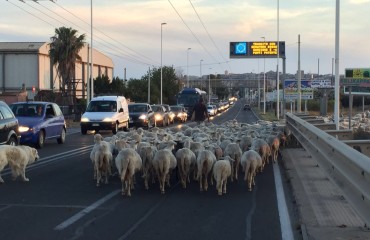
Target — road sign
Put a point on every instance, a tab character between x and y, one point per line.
356	77
257	49
291	89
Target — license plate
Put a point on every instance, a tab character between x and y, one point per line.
95	124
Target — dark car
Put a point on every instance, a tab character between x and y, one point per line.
39	121
180	112
160	115
9	133
141	115
247	107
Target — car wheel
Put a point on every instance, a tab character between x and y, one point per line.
12	141
115	129
40	140
62	137
83	131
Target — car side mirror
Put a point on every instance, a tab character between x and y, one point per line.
120	110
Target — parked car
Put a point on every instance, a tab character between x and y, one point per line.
160	115
212	110
141	115
39	121
105	113
9	133
180	112
169	112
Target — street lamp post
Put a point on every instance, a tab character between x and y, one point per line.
161	63
187	66
264	82
200	73
209	88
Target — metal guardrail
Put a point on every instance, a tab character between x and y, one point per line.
347	167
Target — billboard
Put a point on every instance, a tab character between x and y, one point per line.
356	77
291	89
257	49
321	83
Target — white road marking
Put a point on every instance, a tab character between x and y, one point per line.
250	214
85	211
285	225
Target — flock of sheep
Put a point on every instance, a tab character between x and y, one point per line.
203	152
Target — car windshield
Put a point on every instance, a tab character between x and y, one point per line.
176	109
102	106
156	108
137	108
27	110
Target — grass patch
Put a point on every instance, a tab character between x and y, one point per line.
269	116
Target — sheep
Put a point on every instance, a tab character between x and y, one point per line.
163	163
185	162
233	150
274	143
221	171
100	158
128	162
205	161
250	162
261	146
102	163
147	154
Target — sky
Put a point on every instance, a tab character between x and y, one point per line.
131	32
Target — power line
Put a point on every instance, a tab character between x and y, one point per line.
107	45
120	43
192	32
209	36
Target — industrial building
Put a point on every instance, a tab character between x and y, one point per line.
26	68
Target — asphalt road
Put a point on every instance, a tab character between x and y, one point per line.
61	201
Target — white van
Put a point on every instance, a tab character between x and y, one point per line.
105	113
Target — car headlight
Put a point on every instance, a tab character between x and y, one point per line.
158	117
180	115
23	129
85	119
142	117
107	119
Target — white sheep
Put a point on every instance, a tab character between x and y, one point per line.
221	171
250	163
102	163
163	163
128	162
101	158
205	161
233	150
147	154
185	162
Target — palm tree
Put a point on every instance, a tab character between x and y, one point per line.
64	48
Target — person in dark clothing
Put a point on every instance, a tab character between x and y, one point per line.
200	111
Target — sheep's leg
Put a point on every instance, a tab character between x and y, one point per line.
129	183
219	187
250	181
224	186
205	183
123	187
200	179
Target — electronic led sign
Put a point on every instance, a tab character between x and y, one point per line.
265	49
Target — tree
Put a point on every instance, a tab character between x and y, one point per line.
64	48
102	85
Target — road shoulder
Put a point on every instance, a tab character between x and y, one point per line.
324	213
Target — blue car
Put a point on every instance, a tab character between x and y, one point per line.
39	121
